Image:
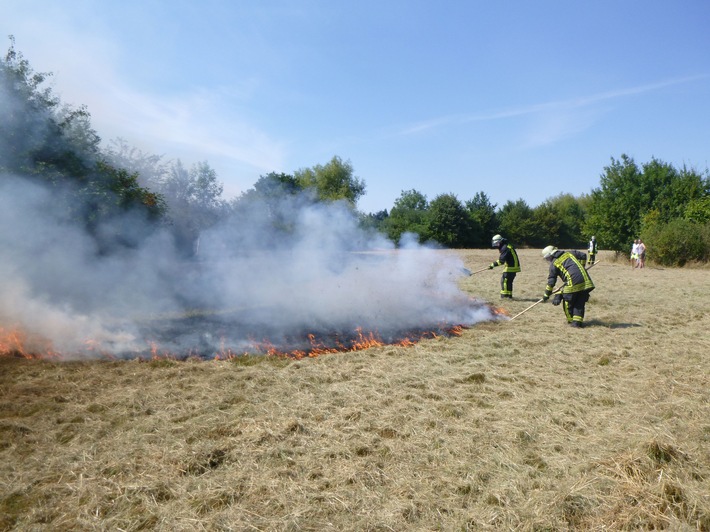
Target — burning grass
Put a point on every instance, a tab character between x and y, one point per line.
522	425
210	334
13	343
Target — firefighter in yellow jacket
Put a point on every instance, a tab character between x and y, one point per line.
509	257
568	266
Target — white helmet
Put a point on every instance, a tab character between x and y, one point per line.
496	240
594	238
548	251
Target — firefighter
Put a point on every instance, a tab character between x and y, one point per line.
568	266
592	251
509	257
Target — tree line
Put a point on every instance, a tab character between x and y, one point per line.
471	224
43	140
668	208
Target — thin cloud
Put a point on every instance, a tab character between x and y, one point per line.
550	127
567	105
197	122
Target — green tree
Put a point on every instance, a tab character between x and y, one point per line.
517	223
26	110
332	181
114	208
677	242
449	223
207	189
374	221
559	221
276	185
630	198
671	191
126	193
269	203
196	189
43	140
616	207
411	200
547	226
408	215
151	169
194	201
698	210
483	214
39	136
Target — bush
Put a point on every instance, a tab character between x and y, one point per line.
677	242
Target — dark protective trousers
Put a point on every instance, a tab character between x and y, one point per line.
573	305
506	284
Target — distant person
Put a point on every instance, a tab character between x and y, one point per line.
568	266
641	254
634	253
509	257
592	251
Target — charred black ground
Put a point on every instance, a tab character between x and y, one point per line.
212	337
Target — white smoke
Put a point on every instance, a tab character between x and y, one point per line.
249	281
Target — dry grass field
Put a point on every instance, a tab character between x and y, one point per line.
516	425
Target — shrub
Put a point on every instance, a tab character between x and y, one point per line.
677	242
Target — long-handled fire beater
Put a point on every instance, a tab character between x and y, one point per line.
553	292
469	272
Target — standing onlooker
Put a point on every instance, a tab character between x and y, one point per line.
509	257
592	250
634	253
641	253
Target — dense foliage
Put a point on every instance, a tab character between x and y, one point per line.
55	145
450	224
668	208
655	202
408	215
42	139
484	216
678	242
447	221
332	181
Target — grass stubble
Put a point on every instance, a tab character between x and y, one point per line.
516	425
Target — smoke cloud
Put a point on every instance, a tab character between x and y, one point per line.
248	282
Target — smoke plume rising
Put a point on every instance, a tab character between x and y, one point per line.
247	282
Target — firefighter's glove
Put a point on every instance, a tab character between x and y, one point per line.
557	299
493	265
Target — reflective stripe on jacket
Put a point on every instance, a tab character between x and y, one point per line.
509	257
567	266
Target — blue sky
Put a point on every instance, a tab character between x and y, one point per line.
514	98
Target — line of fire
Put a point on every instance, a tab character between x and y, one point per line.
215	339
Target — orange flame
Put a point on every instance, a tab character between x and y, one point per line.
360	340
498	311
456	330
17	343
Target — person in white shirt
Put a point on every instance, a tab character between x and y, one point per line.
592	250
641	253
634	253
